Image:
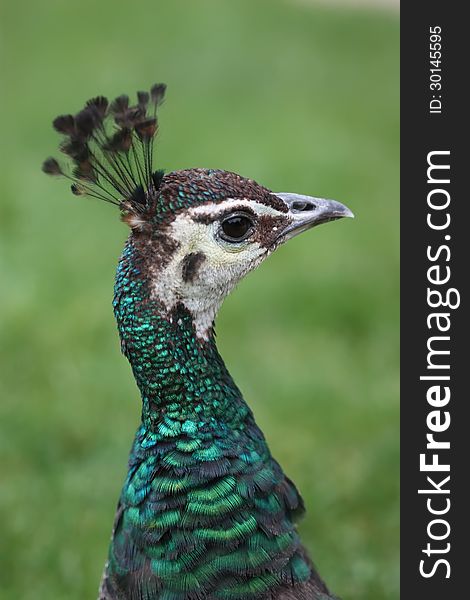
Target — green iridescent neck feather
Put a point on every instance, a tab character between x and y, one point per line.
205	511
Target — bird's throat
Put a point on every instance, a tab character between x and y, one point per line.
204	506
182	378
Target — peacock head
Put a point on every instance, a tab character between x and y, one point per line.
198	232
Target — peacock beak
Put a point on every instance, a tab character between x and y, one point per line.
307	212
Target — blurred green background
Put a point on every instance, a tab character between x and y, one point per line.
299	97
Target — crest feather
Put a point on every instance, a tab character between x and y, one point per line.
109	146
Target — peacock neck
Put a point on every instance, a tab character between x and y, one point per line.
182	379
205	511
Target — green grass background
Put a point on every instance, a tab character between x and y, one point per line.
298	97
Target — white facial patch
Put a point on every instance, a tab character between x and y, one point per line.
222	264
234	203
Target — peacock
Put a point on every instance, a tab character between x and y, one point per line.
206	512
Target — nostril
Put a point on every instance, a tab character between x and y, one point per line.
303	206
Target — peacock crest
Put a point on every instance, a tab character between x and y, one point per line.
109	148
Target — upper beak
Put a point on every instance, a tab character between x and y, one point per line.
307	212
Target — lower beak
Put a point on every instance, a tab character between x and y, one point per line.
307	212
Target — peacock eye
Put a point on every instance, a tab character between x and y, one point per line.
236	227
